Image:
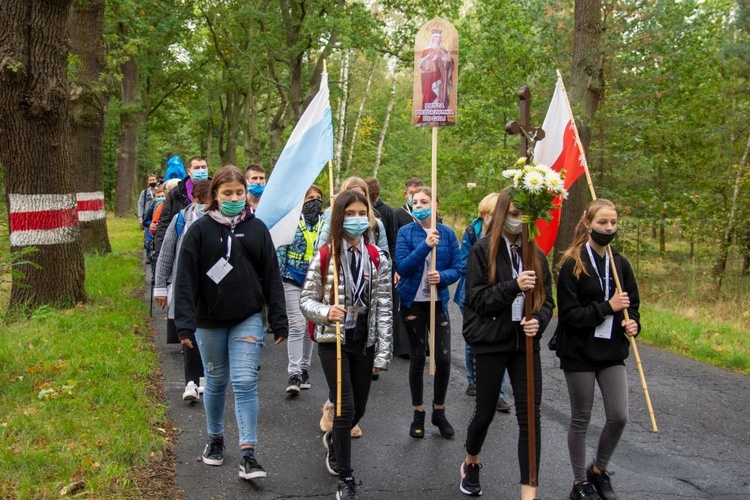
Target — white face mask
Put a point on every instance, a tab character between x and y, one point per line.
512	226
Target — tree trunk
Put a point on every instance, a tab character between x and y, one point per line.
34	153
341	119
350	154
721	260
586	89
131	117
88	104
387	119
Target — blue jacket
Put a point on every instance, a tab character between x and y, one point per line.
411	252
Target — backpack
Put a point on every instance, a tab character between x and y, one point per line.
325	259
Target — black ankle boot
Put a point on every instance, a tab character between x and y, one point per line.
438	419
417	425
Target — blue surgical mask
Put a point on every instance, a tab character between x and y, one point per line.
232	208
421	213
256	189
409	200
200	209
160	199
200	174
355	226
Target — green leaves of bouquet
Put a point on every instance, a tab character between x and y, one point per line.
534	192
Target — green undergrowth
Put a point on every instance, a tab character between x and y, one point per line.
77	386
713	342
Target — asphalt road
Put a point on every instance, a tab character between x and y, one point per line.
702	449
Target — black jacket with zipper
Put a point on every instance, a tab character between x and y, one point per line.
488	323
583	308
253	282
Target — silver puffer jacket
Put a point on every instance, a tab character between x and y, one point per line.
315	306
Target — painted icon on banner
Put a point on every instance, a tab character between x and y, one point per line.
435	74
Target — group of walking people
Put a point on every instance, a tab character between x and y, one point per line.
226	285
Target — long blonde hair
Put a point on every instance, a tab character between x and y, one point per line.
581	236
495	235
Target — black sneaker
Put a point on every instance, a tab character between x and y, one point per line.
213	454
601	482
294	384
470	479
305	380
347	489
502	405
249	466
471	389
331	463
584	490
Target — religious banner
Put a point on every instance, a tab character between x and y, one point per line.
435	74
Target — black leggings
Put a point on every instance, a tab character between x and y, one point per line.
356	377
417	323
192	361
488	375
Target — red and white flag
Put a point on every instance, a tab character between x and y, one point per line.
42	219
558	150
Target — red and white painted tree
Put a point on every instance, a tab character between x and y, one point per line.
34	128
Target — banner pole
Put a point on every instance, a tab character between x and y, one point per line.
633	344
433	253
335	290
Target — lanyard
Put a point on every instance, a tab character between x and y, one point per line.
519	269
605	288
358	283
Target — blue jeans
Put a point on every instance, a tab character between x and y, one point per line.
232	353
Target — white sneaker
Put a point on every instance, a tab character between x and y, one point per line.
191	392
201	385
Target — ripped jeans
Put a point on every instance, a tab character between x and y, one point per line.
417	323
232	353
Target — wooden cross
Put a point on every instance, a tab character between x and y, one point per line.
529	135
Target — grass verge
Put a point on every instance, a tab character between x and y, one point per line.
80	389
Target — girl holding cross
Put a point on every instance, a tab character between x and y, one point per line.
592	342
496	330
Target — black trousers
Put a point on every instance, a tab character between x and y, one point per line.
193	363
356	377
488	376
417	322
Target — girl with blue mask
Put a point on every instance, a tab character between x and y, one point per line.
414	245
227	273
364	312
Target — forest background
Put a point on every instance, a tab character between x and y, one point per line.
659	89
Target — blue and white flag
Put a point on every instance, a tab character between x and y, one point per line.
307	151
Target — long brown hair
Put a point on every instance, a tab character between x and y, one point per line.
342	202
225	174
496	243
581	236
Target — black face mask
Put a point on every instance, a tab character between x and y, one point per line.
311	211
601	238
152	184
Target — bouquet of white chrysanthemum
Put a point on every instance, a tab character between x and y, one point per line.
534	191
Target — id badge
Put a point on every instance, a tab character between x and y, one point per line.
517	308
219	270
351	317
604	331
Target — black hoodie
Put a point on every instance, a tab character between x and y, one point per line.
583	308
253	282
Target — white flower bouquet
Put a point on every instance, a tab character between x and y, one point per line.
535	191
